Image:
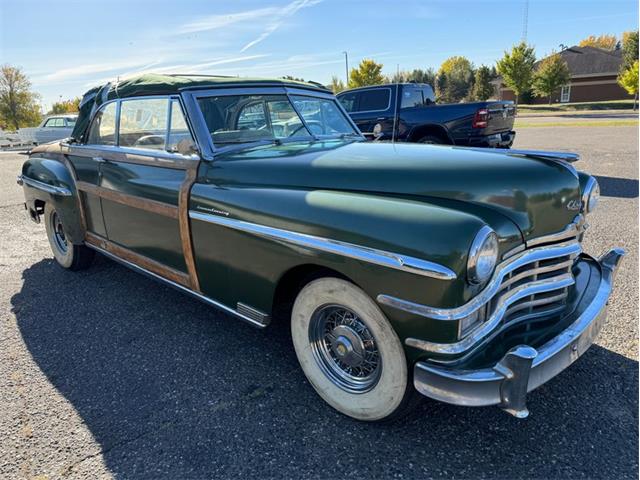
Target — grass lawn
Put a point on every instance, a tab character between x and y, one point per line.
575	107
578	123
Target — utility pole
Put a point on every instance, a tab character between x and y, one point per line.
346	66
525	21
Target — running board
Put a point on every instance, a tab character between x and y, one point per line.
248	314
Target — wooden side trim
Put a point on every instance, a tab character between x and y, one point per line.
153	206
137	259
131	155
185	226
74	175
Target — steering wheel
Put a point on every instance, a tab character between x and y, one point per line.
148	140
312	124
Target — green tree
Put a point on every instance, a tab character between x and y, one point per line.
552	73
516	68
336	85
605	42
368	73
629	49
459	78
295	79
65	106
398	77
18	104
629	81
441	84
482	86
418	75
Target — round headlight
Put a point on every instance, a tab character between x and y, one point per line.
591	195
483	256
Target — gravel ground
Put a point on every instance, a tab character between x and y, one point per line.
107	374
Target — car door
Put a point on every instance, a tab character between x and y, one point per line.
371	107
86	159
143	185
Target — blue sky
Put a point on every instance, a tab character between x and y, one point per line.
66	47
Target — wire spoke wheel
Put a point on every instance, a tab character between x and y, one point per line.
344	348
58	233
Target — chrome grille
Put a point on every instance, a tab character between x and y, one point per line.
520	301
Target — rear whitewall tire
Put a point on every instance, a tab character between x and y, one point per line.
388	396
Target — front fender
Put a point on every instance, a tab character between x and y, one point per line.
418	229
48	179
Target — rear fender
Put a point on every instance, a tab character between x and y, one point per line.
50	180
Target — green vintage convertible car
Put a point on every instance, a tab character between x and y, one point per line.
456	273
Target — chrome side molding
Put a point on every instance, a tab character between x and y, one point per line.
45	187
396	261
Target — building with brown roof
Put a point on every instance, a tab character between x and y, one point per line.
593	77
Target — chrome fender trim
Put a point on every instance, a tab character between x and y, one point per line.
45	187
371	255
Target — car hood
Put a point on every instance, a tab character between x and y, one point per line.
538	194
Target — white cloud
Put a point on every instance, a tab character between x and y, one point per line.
84	70
278	19
184	68
213	22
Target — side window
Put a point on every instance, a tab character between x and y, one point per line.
349	101
374	100
429	96
55	122
143	123
285	122
103	127
252	117
180	140
411	97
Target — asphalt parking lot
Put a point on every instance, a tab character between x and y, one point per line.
106	374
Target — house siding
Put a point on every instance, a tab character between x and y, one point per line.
583	89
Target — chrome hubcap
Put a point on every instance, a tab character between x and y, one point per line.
58	233
344	348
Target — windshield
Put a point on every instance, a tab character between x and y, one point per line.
233	119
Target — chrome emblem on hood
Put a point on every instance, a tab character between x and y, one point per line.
574	205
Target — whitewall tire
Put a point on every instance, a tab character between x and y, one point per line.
349	352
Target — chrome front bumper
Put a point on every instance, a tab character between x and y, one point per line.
523	368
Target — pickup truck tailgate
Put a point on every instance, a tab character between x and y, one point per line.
501	117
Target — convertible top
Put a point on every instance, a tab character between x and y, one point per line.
156	84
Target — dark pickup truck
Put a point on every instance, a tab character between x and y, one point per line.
407	112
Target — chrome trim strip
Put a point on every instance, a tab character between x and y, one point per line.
456	313
486	386
45	187
537	303
177	286
159	154
533	288
570	231
378	257
536	271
